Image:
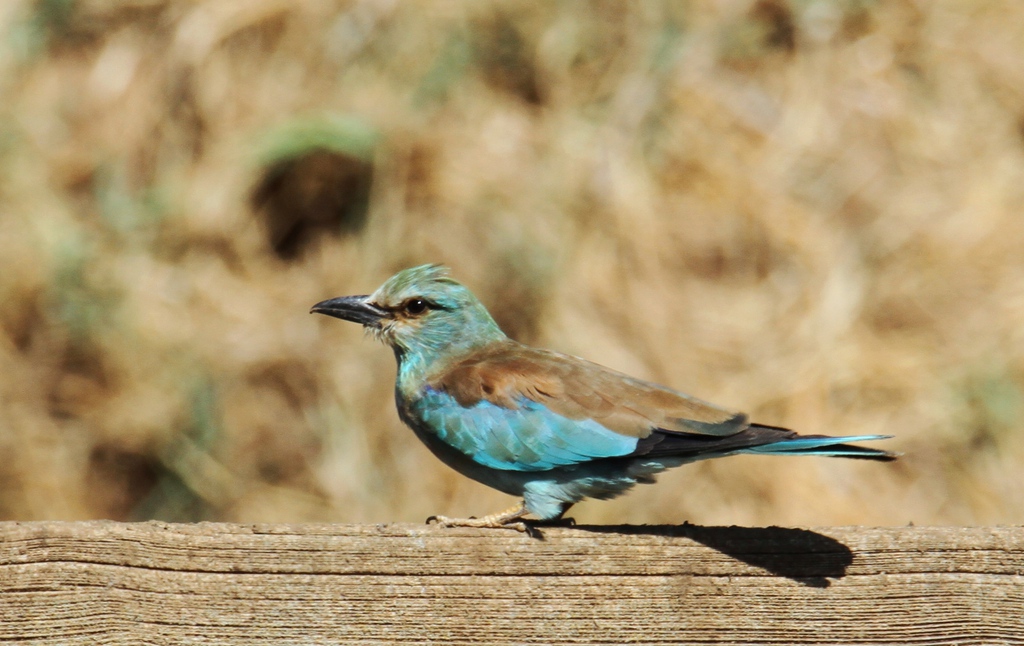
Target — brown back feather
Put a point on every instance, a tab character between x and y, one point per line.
578	389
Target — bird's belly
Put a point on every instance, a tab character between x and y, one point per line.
510	482
548	491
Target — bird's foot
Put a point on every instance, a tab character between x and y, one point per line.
511	518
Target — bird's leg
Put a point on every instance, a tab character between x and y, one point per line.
510	519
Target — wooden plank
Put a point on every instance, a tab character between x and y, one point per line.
207	583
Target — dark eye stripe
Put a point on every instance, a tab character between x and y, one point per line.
416	306
427	305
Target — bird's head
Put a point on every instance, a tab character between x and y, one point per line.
421	312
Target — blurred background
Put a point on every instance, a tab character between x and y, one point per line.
812	211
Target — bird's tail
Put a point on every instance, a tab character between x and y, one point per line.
823	445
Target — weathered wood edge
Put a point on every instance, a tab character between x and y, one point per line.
422	549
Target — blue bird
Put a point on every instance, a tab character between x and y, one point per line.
550	428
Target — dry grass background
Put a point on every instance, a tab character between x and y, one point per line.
809	210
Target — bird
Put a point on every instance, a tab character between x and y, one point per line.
549	428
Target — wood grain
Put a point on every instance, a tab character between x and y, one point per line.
157	583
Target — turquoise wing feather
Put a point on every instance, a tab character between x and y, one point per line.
526	437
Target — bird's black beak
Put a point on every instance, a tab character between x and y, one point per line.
357	309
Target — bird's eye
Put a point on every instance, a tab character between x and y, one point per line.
416	306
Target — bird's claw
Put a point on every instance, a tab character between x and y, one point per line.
444	521
511	518
522	526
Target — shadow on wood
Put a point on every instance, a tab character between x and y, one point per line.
807	557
